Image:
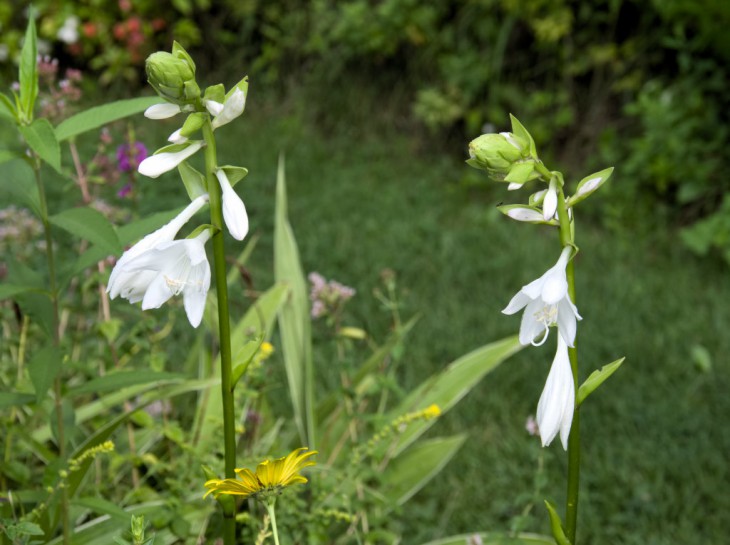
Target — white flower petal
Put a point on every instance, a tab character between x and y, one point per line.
530	325
514	186
162	111
567	323
555	286
234	211
517	303
557	402
524	214
176	138
158	164
232	108
213	107
550	202
157	294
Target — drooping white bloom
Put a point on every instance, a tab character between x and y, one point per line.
557	402
178	267
232	108
158	164
550	202
132	285
234	212
546	302
162	111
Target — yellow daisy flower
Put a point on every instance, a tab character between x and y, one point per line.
270	478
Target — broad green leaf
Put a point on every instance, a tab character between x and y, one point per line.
294	320
556	525
412	469
8	290
495	538
17	184
12	399
448	387
595	379
91	225
40	309
40	137
28	76
43	369
7	108
98	116
9	155
193	180
122	379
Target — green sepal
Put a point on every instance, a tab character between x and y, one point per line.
216	93
525	214
192	89
595	379
556	525
520	173
234	174
521	132
200	228
194	181
179	51
193	123
474	163
589	184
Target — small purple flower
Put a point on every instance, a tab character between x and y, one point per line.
327	298
125	191
129	157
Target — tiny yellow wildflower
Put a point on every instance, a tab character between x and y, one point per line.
270	478
265	350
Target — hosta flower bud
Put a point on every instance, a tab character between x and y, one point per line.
172	75
495	152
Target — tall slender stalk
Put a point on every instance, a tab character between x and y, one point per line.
219	263
57	395
571	506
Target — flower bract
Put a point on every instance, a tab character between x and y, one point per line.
557	402
132	284
178	267
546	302
270	478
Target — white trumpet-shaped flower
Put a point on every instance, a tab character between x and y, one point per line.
179	267
550	202
162	111
158	164
234	212
546	302
132	285
557	402
230	110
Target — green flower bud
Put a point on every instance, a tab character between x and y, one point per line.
497	153
172	75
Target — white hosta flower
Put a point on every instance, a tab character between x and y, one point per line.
162	111
178	267
557	402
213	107
232	108
234	212
546	302
132	285
550	201
159	163
177	138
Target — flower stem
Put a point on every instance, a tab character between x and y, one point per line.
219	263
272	515
57	394
571	507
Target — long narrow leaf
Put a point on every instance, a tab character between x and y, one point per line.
450	385
294	320
98	116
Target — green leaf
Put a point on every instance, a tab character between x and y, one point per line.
91	225
9	155
244	357
234	174
7	108
495	538
412	469
448	387
556	525
28	528
122	379
12	399
17	184
40	137
102	507
43	369
8	290
596	379
294	320
521	132
193	179
28	76
99	116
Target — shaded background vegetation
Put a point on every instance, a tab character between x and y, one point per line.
374	102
